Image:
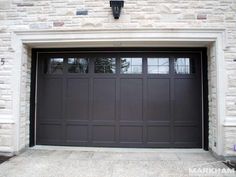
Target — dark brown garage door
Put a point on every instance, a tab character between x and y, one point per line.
120	99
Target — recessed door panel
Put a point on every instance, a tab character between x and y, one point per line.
131	99
103	134
50	100
104	99
131	134
158	134
50	133
76	133
187	100
77	99
158	100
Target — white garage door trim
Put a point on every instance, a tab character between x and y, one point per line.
214	38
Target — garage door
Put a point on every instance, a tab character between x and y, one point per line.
119	99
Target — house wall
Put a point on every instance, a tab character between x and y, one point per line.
212	97
57	15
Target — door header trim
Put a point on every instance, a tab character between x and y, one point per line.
122	38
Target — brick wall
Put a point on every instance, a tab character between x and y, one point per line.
150	14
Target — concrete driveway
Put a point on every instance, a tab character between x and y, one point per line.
105	163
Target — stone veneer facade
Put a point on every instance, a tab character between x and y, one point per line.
58	15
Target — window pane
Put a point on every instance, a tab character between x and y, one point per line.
131	65
158	65
152	69
152	61
54	66
163	61
105	65
163	70
77	65
184	66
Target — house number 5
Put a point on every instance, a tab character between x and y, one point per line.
2	61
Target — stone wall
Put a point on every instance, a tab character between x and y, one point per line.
25	98
212	97
229	140
6	135
56	15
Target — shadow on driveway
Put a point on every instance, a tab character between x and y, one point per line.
4	158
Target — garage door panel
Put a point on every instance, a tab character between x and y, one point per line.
131	134
187	100
50	102
103	134
50	133
77	100
77	87
158	99
131	99
77	133
75	110
181	135
158	134
104	102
